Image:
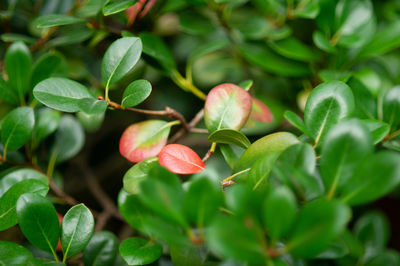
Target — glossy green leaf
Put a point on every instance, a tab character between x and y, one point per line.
91	123
295	120
373	230
76	230
144	139
116	6
328	104
69	139
46	66
18	66
47	121
391	107
8	202
294	49
346	145
376	176
38	221
136	92
56	20
132	210
365	103
378	129
101	250
120	58
17	128
139	251
230	136
309	9
137	173
316	225
156	49
19	175
7	93
227	106
322	42
246	85
92	106
61	94
14	254
230	156
202	201
280	200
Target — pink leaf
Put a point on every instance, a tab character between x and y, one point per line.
180	159
260	112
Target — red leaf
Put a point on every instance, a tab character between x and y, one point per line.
260	112
60	217
180	159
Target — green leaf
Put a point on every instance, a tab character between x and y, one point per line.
8	202
261	56
346	145
116	6
202	201
308	10
90	8
280	200
71	35
91	123
46	66
76	230
61	94
92	106
322	42
378	129
137	173
373	230
18	66
230	156
69	139
295	120
120	58
193	255
246	85
227	106
328	104
7	94
230	136
14	254
294	49
273	143
38	221
365	103
207	48
47	121
375	177
101	250
139	251
386	257
156	49
195	23
15	37
17	128
132	210
56	20
19	175
316	225
391	107
136	92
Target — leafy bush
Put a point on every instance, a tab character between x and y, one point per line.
266	192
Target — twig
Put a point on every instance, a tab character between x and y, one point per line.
178	135
210	152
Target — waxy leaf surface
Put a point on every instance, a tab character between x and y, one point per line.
180	159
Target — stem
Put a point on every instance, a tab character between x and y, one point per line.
52	163
228	181
186	84
210	152
54	254
106	91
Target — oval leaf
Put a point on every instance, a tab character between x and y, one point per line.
137	173
180	159
38	220
378	129
120	58
391	107
61	94
47	121
92	106
143	140
56	20
19	175
17	128
139	251
295	120
260	112
101	250
227	106
76	230
47	65
230	136
328	104
155	48
13	254
116	6
136	92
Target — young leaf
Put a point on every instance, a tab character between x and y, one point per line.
143	140
391	107
316	225
227	106
280	200
137	173
120	58
8	202
92	106
230	136
19	175
139	251
375	177
76	230
328	104
246	85
69	139
101	250
61	94
38	220
18	65
378	129
56	20
136	92
180	159
116	6
295	120
14	254
17	128
346	145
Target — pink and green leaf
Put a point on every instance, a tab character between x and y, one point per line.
143	140
227	106
180	159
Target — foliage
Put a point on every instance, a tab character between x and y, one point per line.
296	102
